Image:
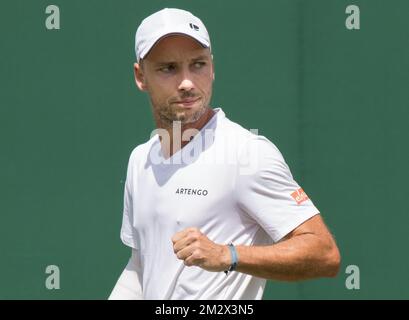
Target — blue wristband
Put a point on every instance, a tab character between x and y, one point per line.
234	258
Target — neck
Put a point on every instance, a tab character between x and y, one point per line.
176	132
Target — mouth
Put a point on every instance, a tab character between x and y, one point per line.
187	102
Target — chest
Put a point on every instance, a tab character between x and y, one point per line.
183	197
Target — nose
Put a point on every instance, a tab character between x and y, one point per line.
186	83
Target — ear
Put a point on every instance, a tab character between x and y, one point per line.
139	76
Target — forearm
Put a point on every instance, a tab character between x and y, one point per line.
298	258
308	251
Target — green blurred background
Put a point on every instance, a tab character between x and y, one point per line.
335	101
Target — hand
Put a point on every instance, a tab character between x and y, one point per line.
195	249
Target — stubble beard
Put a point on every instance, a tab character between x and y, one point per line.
168	114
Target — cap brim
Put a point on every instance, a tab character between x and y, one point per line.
155	40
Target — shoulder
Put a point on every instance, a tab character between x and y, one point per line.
259	157
247	138
233	129
141	151
262	147
250	147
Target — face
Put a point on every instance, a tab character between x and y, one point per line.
178	75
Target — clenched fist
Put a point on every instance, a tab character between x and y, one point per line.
195	249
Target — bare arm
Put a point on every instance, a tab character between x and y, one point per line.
128	286
309	251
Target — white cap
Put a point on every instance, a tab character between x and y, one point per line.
168	21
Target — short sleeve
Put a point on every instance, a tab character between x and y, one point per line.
267	191
127	230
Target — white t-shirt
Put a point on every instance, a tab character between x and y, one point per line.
231	184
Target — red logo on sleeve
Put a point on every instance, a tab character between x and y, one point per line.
299	196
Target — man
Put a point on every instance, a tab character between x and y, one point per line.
211	210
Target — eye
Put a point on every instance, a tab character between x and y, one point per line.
199	64
167	68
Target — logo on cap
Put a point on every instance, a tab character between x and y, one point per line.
194	27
